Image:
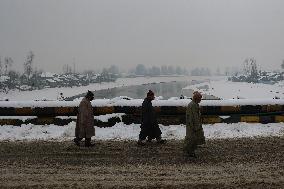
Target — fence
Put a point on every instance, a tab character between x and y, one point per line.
169	112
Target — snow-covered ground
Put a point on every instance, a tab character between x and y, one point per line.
253	93
130	132
228	90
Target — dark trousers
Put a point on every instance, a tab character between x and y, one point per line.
190	146
153	132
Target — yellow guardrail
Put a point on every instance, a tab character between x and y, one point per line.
168	112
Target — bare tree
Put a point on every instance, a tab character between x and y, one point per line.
28	64
113	69
13	79
282	65
164	70
254	72
0	66
141	70
251	69
8	61
67	69
247	66
218	72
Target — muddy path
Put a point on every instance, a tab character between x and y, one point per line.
229	163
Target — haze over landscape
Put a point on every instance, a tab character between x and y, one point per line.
188	33
203	80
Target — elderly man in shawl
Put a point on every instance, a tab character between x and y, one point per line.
194	131
85	121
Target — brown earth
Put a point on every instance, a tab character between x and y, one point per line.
227	163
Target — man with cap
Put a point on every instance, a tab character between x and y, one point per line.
149	125
194	131
85	121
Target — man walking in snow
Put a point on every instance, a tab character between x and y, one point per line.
149	126
194	131
85	121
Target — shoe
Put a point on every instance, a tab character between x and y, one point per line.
141	143
161	141
89	145
191	155
201	146
149	140
88	142
77	143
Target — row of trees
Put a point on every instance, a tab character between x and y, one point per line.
171	70
156	71
200	72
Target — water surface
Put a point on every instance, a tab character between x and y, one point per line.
166	90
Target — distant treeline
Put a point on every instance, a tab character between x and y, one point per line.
156	70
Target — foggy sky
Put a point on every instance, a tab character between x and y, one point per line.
96	34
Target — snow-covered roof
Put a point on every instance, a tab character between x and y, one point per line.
51	80
47	74
4	78
56	79
25	87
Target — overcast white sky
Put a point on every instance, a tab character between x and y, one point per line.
99	33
